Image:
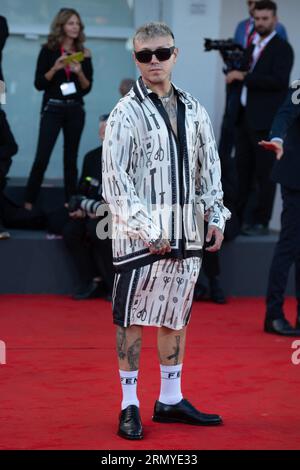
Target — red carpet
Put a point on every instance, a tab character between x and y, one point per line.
60	386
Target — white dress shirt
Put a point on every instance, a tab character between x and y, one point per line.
259	47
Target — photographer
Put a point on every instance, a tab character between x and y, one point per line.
245	30
64	84
263	89
236	59
208	286
244	36
92	257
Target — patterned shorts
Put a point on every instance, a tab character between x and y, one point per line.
160	294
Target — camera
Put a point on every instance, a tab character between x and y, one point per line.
233	54
90	187
79	201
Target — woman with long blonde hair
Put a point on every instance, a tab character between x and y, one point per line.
64	82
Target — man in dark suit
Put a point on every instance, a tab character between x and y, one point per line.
285	140
263	90
244	31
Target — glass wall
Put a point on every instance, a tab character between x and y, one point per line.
109	24
95	12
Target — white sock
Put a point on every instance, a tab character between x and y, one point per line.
129	383
170	384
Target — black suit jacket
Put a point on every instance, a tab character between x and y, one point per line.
268	83
3	36
286	125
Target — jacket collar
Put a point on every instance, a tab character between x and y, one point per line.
142	91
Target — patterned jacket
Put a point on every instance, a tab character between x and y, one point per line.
157	183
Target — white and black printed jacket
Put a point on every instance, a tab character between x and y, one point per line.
157	183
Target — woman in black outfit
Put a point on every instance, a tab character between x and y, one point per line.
62	106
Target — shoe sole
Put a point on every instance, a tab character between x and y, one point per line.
158	419
130	438
281	334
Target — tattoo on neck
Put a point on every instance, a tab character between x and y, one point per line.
176	348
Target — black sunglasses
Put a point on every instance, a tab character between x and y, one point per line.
161	54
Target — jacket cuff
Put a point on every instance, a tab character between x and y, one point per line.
277	139
218	218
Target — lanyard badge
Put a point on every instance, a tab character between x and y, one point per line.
67	88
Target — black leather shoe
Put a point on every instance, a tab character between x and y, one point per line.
257	230
183	412
200	293
244	229
216	292
92	291
4	234
130	426
280	326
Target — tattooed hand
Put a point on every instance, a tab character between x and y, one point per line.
214	239
159	246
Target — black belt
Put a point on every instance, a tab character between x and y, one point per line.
60	102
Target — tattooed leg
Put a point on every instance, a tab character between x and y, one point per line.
129	342
171	346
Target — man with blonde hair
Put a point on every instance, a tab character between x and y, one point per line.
161	176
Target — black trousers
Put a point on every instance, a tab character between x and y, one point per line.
210	267
228	129
211	264
70	118
254	163
91	255
4	167
286	253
